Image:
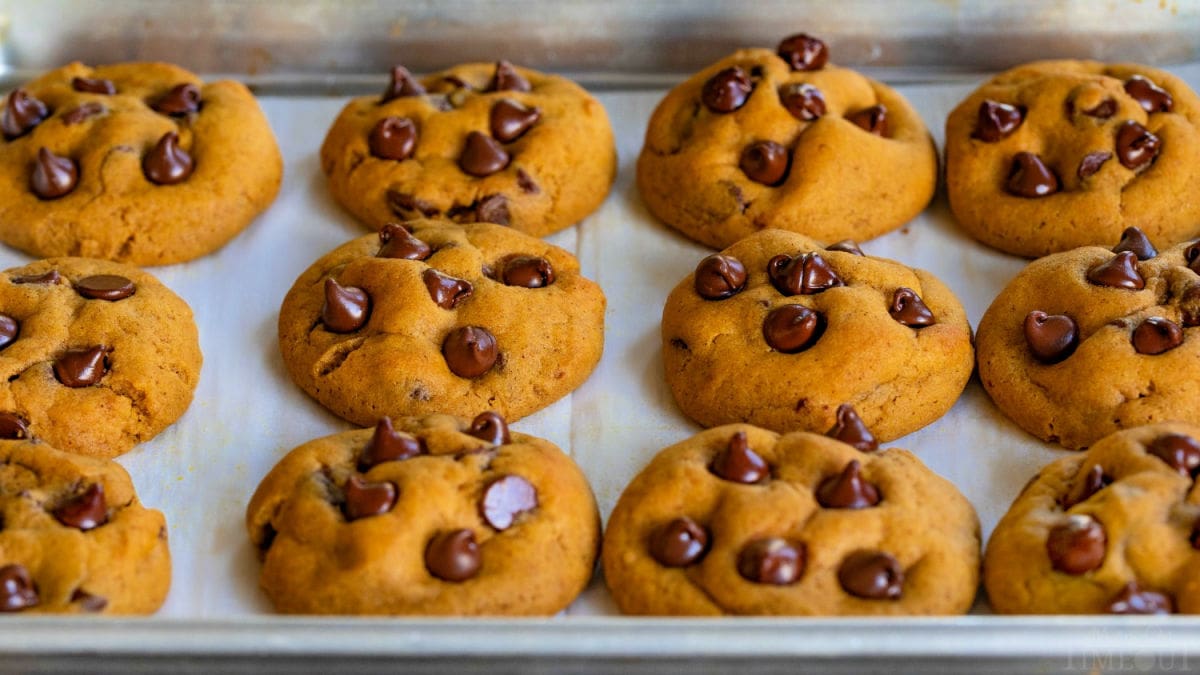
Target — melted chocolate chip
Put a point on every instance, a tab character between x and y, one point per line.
1120	271
482	155
1156	335
846	246
507	78
85	511
871	575
490	427
181	100
803	52
1191	256
401	84
1133	600
22	112
346	308
387	445
907	308
9	329
17	590
109	287
1102	110
1030	177
873	120
53	176
13	426
1150	96
719	277
1077	546
446	292
1136	146
1092	162
1093	481
1133	239
1051	338
88	602
510	120
393	138
791	329
1181	453
365	499
81	113
91	85
470	351
773	561
679	543
738	463
806	274
803	101
506	498
849	429
765	162
527	271
407	206
526	183
727	90
492	209
997	121
1194	538
167	163
84	367
395	241
847	490
48	278
453	555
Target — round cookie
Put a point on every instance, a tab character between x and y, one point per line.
476	143
75	539
783	140
434	515
1054	155
448	318
1083	343
1113	530
135	162
739	520
778	332
95	356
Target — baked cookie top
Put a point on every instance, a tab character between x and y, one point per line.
95	356
436	515
778	331
1054	155
478	142
445	318
1083	343
136	162
1113	530
784	139
75	537
739	520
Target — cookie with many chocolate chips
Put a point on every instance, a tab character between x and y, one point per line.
135	162
443	318
779	332
741	520
476	143
783	139
1114	530
75	539
1083	343
433	515
1054	155
95	356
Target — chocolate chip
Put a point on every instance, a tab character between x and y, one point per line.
1051	338
48	278
803	101
9	329
772	560
407	206
167	163
1156	335
738	463
53	176
490	427
526	183
1136	146
395	241
22	112
17	590
364	499
470	351
997	121
1030	177
393	138
871	575
805	274
1133	600
1191	255
1150	96
401	84
446	292
793	328
1181	453
1092	162
1120	271
91	85
527	271
679	543
719	277
1133	239
872	120
1077	546
765	162
109	287
846	246
346	308
849	429
453	555
482	155
907	308
1093	481
13	426
85	511
84	367
492	209
88	602
1194	538
727	90
181	100
509	120
803	52
507	78
506	498
388	446
1103	110
847	490
81	113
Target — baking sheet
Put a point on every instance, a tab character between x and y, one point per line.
247	414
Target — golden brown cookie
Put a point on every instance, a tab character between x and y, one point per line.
782	139
739	520
476	143
778	331
1086	342
95	356
448	318
434	515
75	539
1113	530
136	162
1054	155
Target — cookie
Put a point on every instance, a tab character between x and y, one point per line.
1054	155
136	162
476	143
1083	343
433	515
740	520
75	538
445	318
778	332
785	140
1114	530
